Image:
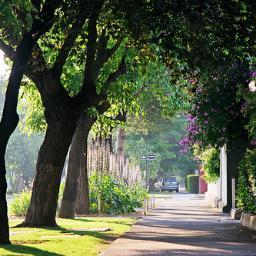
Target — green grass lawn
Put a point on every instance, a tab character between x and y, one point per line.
64	240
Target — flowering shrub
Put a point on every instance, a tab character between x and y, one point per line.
216	116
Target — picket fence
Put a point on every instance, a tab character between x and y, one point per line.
101	160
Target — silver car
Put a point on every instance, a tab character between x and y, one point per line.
170	184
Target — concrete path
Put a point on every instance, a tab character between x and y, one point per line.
183	224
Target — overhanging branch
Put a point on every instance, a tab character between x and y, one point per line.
114	76
102	108
88	90
104	54
7	49
67	45
89	73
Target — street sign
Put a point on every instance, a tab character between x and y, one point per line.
151	156
148	157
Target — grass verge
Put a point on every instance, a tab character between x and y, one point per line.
81	236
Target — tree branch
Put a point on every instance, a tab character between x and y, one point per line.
104	54
88	91
89	74
113	77
7	49
67	45
46	18
36	4
103	107
39	27
121	117
112	50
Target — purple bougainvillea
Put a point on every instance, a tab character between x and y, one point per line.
216	110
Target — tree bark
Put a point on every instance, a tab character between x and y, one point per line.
76	187
61	120
120	151
83	199
120	142
9	122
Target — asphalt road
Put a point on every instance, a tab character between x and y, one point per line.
183	224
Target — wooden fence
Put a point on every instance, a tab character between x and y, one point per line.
101	160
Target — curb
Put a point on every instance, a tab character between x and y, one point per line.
248	220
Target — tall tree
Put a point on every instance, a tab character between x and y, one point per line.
63	110
76	186
41	21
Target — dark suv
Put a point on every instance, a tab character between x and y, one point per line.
170	184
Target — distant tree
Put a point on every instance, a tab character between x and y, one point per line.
21	158
164	142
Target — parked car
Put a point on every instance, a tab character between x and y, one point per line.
167	184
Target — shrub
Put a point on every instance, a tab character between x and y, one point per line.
246	189
20	204
193	183
116	197
137	195
211	164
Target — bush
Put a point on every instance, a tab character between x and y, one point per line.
20	204
116	197
193	183
246	189
211	164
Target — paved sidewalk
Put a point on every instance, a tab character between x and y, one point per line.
184	225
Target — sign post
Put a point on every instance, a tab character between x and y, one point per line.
148	157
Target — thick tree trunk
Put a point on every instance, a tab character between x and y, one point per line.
4	226
82	206
77	182
82	199
9	122
61	120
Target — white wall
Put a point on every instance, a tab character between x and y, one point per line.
223	175
217	192
213	193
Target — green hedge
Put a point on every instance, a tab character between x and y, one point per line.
193	183
246	189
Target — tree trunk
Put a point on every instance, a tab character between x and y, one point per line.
120	151
110	139
9	122
120	142
82	199
61	120
77	182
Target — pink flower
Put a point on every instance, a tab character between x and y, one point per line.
253	142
